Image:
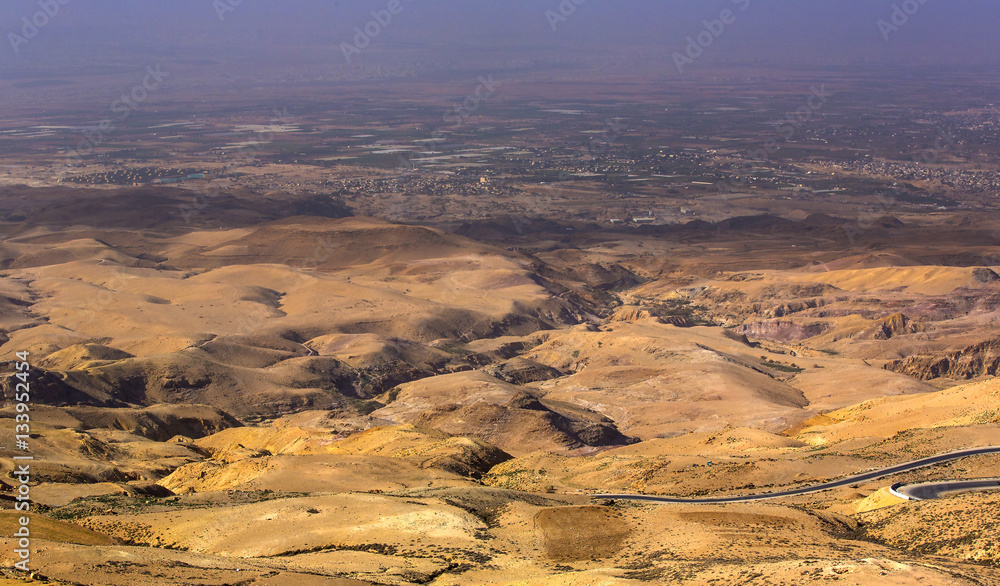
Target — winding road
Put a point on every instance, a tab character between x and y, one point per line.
933	490
905	467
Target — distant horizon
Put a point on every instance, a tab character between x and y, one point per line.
775	33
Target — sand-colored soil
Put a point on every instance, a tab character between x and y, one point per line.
350	401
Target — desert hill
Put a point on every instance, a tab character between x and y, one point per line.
961	406
514	419
270	397
270	310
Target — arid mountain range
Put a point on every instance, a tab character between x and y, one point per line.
281	392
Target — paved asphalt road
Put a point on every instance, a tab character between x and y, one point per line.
933	490
811	489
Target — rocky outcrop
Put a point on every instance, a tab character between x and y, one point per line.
679	321
630	313
612	277
520	371
981	359
635	313
53	388
889	327
786	309
515	419
741	338
984	275
159	422
782	330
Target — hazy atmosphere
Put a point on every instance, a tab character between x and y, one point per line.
524	292
957	32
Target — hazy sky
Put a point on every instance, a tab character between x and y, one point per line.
803	32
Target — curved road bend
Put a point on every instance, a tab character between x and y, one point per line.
906	467
933	490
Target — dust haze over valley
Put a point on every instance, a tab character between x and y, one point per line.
382	292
